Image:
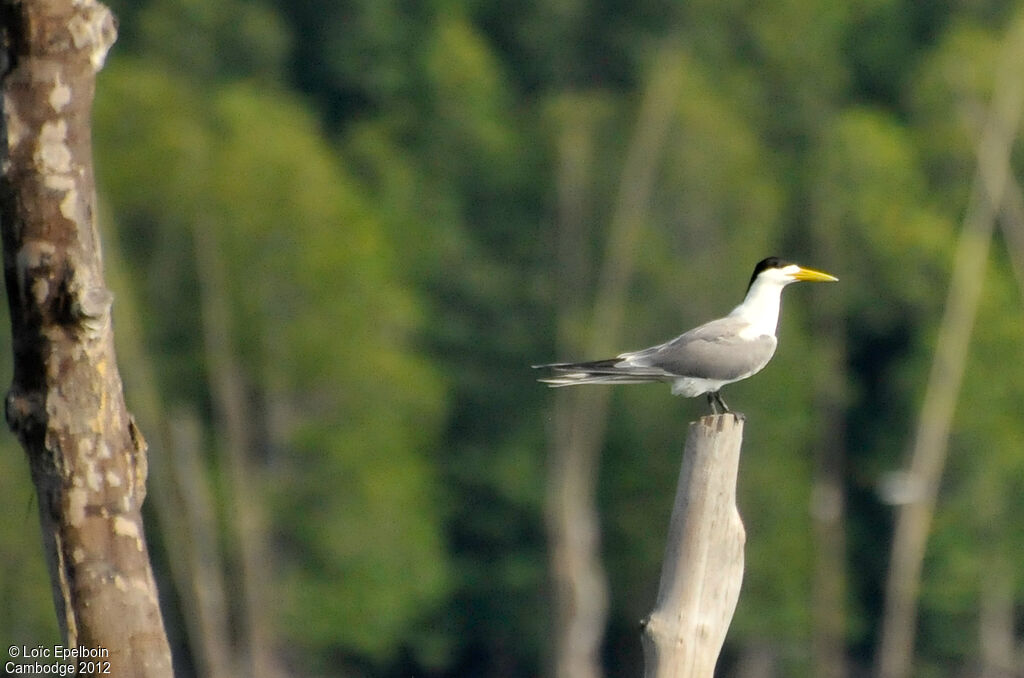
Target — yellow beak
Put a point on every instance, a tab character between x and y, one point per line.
809	275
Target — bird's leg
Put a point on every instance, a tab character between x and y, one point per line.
718	397
711	403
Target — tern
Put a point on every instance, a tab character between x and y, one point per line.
707	357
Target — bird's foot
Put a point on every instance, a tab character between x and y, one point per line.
718	407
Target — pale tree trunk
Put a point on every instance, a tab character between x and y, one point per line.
996	637
828	492
928	455
202	584
181	491
758	659
1011	211
1011	221
828	511
580	587
245	488
580	597
66	405
702	572
997	640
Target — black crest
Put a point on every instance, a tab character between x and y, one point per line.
765	264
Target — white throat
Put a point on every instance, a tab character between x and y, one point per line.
760	308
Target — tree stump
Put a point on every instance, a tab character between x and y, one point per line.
703	566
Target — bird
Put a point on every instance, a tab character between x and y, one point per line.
706	358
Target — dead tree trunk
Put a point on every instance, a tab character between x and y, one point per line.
87	459
828	493
243	481
703	567
580	590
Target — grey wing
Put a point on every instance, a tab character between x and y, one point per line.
712	351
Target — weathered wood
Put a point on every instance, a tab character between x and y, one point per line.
703	566
87	459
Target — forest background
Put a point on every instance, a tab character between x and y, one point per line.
340	233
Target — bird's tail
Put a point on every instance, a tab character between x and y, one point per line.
611	371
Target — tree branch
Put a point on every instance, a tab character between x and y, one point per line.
87	458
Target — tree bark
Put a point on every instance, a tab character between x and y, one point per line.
703	567
66	405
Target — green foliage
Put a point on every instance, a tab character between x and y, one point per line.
322	324
226	39
949	99
388	239
872	189
26	600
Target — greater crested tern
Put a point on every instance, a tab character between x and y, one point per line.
708	357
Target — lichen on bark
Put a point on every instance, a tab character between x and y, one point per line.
66	402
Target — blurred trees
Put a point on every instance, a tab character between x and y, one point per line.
382	185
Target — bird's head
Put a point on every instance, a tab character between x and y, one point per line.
784	272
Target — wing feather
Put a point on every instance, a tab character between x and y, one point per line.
715	350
